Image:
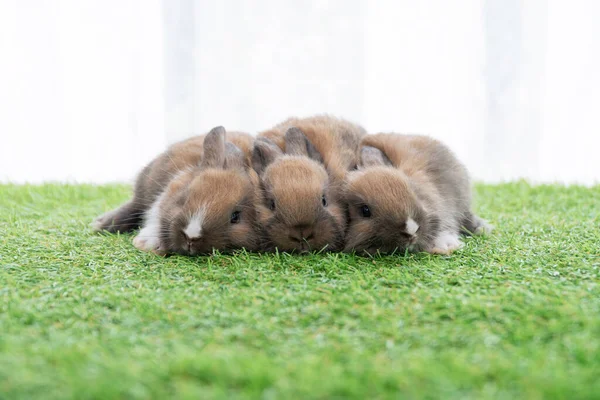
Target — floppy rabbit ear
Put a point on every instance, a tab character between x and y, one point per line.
214	148
234	157
371	156
297	144
264	153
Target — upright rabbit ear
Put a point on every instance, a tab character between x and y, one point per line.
214	148
234	157
371	156
297	144
264	153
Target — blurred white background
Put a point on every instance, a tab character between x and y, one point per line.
90	90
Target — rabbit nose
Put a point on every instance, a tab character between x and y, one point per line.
302	233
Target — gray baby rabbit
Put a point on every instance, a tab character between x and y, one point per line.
409	193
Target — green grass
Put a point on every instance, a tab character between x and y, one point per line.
513	315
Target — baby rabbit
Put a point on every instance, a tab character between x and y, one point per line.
409	193
197	196
302	163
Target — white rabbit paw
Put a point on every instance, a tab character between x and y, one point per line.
148	243
445	243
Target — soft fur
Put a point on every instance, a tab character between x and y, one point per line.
416	193
205	179
302	164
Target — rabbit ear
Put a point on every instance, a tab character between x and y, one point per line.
297	144
214	148
264	153
234	157
371	156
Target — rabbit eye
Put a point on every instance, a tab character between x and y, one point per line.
272	205
324	201
365	211
235	217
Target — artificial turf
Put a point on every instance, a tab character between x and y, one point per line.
512	315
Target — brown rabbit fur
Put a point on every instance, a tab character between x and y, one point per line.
409	193
302	163
197	196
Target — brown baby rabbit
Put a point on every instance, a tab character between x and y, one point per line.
409	193
197	196
302	163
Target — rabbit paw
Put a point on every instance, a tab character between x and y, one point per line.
103	222
483	229
148	242
445	243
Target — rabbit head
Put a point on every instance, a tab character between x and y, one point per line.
212	206
387	212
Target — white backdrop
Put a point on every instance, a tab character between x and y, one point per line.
91	89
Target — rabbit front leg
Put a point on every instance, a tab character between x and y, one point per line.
148	238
